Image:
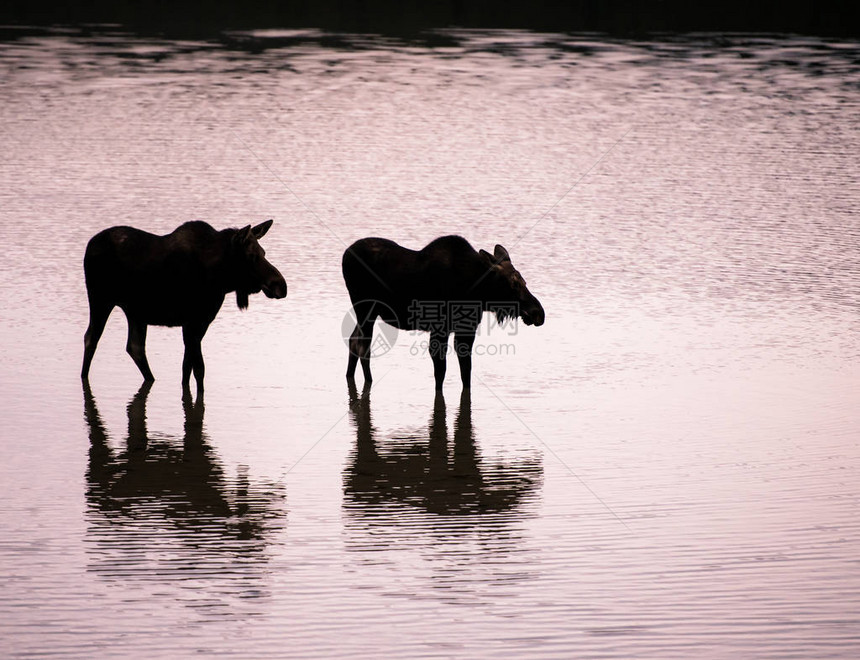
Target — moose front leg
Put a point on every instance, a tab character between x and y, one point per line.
193	359
463	343
438	351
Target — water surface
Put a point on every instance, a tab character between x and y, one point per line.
668	466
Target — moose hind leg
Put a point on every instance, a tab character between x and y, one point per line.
360	340
354	348
98	318
364	345
136	347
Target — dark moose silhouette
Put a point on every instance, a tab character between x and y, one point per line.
431	474
175	280
448	278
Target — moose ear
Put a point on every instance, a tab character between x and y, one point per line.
486	256
242	234
261	229
501	254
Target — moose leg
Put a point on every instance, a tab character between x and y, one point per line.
98	317
359	341
359	349
438	350
136	347
354	347
193	359
364	350
463	346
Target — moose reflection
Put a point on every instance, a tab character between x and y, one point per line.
444	288
175	280
166	506
430	474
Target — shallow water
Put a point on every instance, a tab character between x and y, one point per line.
668	466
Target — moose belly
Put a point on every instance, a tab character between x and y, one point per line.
172	308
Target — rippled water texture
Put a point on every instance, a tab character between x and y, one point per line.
667	468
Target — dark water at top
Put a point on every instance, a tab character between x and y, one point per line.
668	467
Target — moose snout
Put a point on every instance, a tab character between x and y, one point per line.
533	316
275	288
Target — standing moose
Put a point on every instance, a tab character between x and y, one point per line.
175	280
444	288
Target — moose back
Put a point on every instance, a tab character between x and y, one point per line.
179	279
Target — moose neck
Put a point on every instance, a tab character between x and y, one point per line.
228	274
487	291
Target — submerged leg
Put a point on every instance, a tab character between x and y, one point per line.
98	317
438	351
193	359
463	346
136	347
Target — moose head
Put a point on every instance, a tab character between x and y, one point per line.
253	273
504	284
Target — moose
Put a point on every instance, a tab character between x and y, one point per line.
179	279
444	288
